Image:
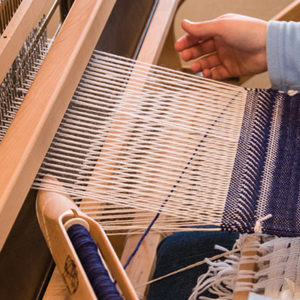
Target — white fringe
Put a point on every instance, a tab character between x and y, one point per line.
277	276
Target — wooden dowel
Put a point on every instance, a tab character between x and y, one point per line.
289	13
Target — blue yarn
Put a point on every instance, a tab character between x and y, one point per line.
87	252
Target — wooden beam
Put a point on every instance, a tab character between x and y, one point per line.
289	13
32	130
158	31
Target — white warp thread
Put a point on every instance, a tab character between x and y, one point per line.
138	139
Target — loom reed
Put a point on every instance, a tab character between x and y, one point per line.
18	80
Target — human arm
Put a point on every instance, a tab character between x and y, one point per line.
234	45
229	46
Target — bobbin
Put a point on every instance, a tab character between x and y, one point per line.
54	211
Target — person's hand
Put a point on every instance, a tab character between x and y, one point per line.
229	46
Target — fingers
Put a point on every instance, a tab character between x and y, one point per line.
217	73
196	32
211	67
202	30
198	50
207	62
185	42
200	43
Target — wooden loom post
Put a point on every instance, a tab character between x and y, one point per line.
32	130
290	13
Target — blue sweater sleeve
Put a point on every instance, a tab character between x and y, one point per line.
283	55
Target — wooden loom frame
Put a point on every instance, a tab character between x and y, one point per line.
38	119
42	110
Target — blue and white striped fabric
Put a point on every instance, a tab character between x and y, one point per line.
266	173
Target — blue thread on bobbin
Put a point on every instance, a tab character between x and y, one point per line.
97	274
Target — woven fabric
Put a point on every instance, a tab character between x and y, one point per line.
266	173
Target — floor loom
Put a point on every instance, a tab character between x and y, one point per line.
32	141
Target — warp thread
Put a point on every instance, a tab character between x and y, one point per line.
175	185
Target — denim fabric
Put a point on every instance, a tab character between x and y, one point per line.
182	249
